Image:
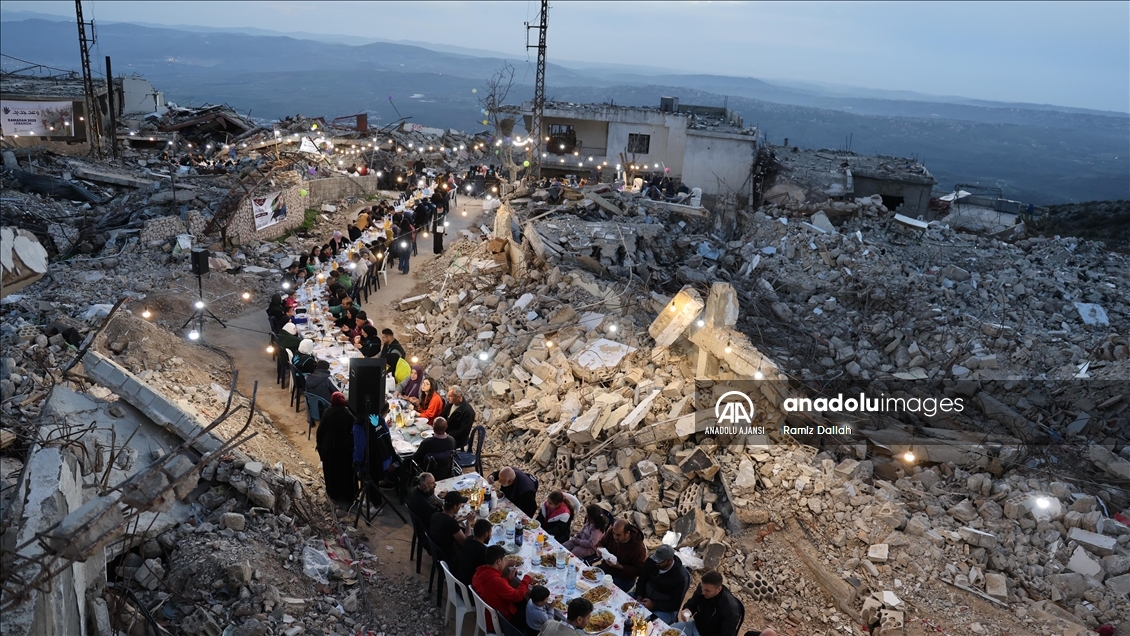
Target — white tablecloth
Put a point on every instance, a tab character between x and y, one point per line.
531	559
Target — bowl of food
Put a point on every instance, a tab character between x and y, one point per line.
672	632
549	560
537	578
497	517
597	595
560	605
594	575
600	621
629	606
531	524
513	561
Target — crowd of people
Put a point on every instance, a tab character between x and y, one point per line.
659	581
354	451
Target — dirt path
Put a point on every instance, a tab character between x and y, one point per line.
246	340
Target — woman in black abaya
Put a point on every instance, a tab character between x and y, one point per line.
335	447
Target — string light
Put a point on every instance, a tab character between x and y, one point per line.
548	344
194	335
146	314
908	457
270	348
415	359
285	285
700	323
758	376
612	328
728	350
200	304
673	309
1043	502
247	295
483	356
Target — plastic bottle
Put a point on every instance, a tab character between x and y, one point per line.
508	526
570	577
519	536
493	499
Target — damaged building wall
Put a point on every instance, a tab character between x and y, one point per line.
592	136
668	141
719	163
915	196
51	491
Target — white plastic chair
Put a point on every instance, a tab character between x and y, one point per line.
481	611
696	196
382	272
458	598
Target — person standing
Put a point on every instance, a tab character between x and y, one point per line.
439	228
335	447
407	243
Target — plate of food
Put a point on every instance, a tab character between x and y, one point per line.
537	578
549	560
497	517
672	632
560	604
467	492
593	574
629	606
531	524
597	595
513	561
600	621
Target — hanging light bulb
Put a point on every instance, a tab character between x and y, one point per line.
247	295
270	348
483	356
612	328
200	304
146	314
908	457
728	350
700	323
758	376
548	344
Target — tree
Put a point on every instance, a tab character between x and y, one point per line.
498	89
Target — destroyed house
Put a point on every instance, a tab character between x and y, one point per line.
702	146
904	184
54	108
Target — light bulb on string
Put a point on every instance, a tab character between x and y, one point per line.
908	457
146	314
200	304
247	295
270	348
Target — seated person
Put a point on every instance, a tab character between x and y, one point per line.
520	488
497	584
359	321
396	366
304	360
320	382
577	616
288	338
438	444
368	342
430	404
410	388
347	317
556	514
711	610
538	609
474	551
625	543
583	544
422	499
346	303
449	533
663	583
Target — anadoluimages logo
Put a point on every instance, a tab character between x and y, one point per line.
734	408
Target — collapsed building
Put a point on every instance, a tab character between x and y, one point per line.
594	334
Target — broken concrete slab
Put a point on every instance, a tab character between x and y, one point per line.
599	360
676	317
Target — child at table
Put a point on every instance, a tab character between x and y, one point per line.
538	610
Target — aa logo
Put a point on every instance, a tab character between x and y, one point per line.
734	408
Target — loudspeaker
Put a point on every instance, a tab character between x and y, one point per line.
199	259
366	386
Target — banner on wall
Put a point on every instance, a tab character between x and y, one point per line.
42	119
268	210
308	146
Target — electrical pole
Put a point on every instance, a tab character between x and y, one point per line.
113	110
93	113
537	119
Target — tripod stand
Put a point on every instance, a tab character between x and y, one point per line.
369	496
201	310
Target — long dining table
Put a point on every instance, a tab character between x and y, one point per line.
541	556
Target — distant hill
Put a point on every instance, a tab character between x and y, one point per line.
1036	153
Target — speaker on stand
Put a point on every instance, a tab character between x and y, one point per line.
366	399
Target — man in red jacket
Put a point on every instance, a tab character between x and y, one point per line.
625	543
498	585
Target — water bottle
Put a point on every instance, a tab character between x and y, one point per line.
571	579
508	526
493	499
562	557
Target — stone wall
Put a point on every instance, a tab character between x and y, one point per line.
319	191
164	228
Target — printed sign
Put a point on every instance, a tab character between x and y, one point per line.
308	146
43	119
268	210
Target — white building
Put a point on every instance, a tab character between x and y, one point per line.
701	146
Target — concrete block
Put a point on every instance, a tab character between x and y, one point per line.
1084	564
93	525
676	317
1095	543
996	586
878	552
978	538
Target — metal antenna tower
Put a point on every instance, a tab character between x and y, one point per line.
538	116
93	113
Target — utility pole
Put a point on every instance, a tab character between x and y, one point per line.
538	117
113	110
93	113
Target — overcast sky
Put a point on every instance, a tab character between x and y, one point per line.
1068	54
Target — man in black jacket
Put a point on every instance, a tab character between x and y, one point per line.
422	499
390	344
459	415
320	382
519	488
474	551
713	609
663	584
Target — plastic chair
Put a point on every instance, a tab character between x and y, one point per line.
471	456
482	610
299	387
382	271
315	406
510	629
441	465
458	599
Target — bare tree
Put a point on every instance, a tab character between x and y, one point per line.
498	89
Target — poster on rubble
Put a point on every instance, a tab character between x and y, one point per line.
308	146
268	210
44	119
